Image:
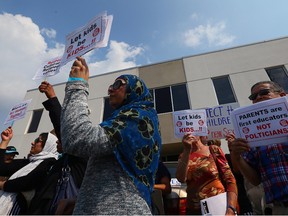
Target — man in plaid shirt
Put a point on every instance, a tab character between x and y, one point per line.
265	164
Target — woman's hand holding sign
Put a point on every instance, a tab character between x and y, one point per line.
79	69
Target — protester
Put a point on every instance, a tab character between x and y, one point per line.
162	182
123	150
265	164
45	199
10	154
206	173
25	174
245	207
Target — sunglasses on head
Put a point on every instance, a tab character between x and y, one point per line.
262	92
116	85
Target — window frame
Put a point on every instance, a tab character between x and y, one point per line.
231	88
32	128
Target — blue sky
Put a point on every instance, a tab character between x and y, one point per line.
143	32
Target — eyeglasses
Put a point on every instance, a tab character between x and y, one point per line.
116	85
262	92
38	140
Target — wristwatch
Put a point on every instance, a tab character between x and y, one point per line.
233	209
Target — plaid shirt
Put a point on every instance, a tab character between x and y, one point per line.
272	164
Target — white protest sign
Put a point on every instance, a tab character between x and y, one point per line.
94	34
18	111
215	205
48	68
190	121
262	123
219	122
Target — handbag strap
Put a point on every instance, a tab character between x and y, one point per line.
212	152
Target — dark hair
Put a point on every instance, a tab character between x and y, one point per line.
44	137
214	142
275	86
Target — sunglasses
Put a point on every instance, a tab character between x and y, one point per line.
116	85
262	92
38	140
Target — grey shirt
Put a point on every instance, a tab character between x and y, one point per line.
106	188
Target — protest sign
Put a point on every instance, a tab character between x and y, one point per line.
262	123
48	68
219	122
215	205
190	121
94	34
18	111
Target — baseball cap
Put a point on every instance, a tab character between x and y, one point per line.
11	150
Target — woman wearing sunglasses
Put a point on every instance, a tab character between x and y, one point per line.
25	175
123	150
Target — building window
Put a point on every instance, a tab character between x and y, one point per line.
163	101
167	99
35	120
180	97
223	90
279	75
172	98
107	109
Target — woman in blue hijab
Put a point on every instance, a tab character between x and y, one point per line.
123	150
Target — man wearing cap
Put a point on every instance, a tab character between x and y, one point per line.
10	153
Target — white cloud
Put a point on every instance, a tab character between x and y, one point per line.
194	16
50	33
23	50
120	56
214	35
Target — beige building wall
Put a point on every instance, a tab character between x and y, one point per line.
163	74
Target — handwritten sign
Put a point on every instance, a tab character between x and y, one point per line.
190	121
49	68
219	122
262	123
18	111
94	34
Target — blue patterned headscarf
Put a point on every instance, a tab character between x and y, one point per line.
134	127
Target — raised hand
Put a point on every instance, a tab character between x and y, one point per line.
7	134
48	89
80	69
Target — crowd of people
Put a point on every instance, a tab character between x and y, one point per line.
114	167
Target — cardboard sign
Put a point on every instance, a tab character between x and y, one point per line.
18	111
262	123
94	34
219	122
190	121
49	68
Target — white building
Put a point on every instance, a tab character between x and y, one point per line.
192	82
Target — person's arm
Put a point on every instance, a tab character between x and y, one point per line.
225	173
183	160
238	147
230	138
7	169
163	178
52	105
182	166
79	136
164	185
6	136
30	181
